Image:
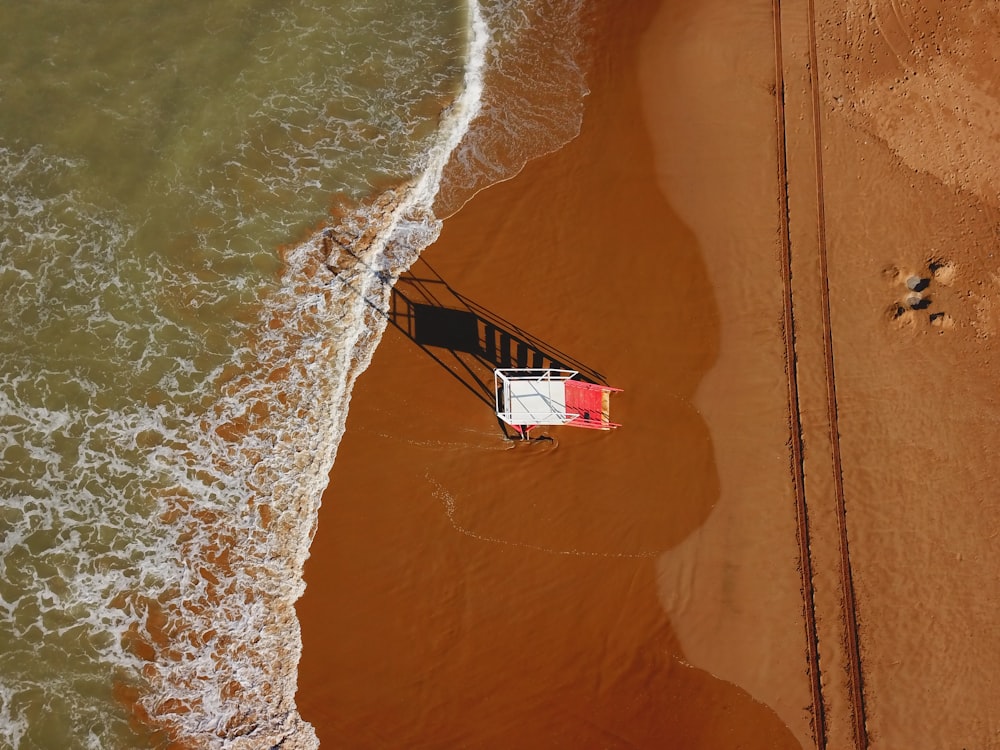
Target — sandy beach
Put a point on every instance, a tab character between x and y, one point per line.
775	232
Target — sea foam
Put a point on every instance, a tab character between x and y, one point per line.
221	646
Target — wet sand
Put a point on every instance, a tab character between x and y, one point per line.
788	544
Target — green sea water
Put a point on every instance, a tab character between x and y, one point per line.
154	156
172	385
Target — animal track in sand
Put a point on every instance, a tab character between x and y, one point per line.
913	294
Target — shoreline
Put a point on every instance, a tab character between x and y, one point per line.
733	588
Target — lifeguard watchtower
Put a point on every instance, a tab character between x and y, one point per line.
527	398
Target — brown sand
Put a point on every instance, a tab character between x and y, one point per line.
766	555
909	146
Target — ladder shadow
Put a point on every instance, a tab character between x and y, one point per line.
466	339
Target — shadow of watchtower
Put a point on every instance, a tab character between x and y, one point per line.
465	338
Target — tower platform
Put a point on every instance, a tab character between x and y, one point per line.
527	398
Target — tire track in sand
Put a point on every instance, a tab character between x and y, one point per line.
794	408
849	609
847	580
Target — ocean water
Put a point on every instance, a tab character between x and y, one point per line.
203	207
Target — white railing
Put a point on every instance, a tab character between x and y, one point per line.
502	379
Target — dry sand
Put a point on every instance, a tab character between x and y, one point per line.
789	544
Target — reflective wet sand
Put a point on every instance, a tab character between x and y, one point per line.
465	590
788	544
